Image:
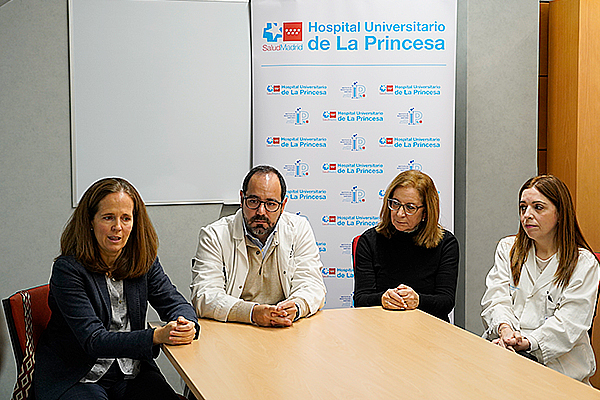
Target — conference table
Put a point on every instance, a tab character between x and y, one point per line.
361	353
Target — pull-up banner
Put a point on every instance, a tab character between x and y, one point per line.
346	95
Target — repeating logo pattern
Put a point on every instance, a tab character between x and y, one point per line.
298	169
354	91
297	117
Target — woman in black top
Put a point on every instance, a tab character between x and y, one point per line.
408	260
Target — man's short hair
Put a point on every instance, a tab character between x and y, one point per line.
264	170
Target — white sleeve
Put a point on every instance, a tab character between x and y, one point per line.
209	278
497	300
307	281
573	313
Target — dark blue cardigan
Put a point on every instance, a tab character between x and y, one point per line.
78	331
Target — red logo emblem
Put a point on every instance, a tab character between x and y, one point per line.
389	140
276	88
275	140
332	218
332	114
292	31
389	88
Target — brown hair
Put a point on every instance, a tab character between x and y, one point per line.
78	239
568	235
429	234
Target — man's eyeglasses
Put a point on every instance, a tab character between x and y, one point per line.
409	209
254	204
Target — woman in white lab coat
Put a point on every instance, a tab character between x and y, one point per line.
542	290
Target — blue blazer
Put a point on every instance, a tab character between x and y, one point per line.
78	332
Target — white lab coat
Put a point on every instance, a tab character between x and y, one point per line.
558	319
220	266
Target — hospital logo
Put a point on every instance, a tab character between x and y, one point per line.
328	272
307	194
298	169
353	196
292	31
412	117
273	89
298	117
329	168
381	194
350	221
329	220
344	273
355	91
354	143
329	115
386	141
286	37
386	89
272	32
273	141
412	165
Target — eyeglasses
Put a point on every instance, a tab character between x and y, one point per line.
254	204
409	209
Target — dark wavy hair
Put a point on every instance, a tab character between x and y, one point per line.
568	235
78	239
430	233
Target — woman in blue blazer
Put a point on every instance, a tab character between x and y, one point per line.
97	345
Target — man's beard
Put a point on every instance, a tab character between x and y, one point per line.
264	229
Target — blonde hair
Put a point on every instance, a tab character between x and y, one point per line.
430	233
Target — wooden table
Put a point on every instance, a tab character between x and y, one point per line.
363	353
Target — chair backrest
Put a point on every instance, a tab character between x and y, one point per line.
354	243
15	318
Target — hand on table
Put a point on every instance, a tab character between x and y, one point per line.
177	332
511	339
400	298
280	315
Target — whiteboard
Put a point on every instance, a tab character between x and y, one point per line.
160	95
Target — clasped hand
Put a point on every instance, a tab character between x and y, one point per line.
177	332
279	315
511	339
400	298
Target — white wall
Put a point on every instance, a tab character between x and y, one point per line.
496	149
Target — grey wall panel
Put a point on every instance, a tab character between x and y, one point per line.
499	137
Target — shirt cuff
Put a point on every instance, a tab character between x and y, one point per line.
302	307
241	312
533	343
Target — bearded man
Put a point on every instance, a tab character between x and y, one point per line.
261	265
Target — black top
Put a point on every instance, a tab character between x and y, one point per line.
382	264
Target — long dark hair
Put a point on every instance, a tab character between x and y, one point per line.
78	239
568	235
